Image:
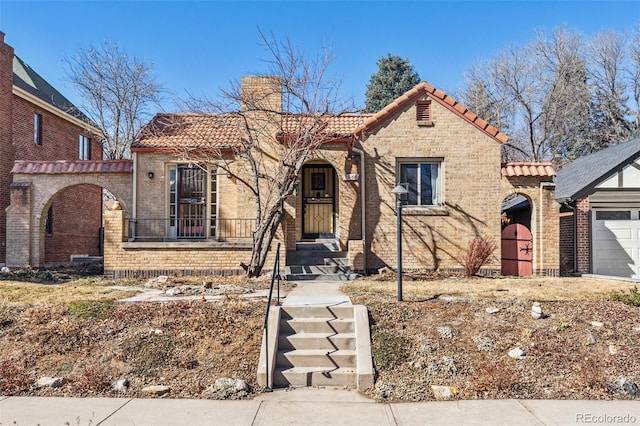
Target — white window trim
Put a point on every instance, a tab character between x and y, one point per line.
440	195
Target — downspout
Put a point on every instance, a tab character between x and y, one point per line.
363	208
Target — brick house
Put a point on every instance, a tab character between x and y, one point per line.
192	218
599	222
39	123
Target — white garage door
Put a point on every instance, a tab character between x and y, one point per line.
616	243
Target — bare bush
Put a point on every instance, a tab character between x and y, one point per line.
478	253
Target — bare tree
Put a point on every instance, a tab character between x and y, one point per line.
117	89
633	73
281	123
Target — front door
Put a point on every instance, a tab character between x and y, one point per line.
192	193
318	201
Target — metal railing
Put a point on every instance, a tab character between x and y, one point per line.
274	275
190	229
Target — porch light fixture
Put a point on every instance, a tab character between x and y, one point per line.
150	175
399	191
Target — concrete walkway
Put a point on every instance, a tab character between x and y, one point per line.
309	407
317	293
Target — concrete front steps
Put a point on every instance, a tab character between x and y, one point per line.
318	346
319	260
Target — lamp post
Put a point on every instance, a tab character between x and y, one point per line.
399	191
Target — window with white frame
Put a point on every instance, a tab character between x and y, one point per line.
37	129
422	179
84	148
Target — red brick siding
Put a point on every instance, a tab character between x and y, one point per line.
566	243
6	153
583	237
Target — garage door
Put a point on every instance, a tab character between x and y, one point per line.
616	243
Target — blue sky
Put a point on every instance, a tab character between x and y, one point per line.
201	45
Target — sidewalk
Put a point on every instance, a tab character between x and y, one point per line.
310	407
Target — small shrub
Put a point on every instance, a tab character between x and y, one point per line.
632	298
14	377
8	313
388	349
91	309
91	378
478	253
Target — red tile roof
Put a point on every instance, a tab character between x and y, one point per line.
216	131
64	166
336	126
439	96
527	169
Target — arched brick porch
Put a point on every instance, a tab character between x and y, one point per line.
36	184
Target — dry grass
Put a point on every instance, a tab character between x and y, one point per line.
27	293
525	288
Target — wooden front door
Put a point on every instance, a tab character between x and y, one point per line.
517	250
318	201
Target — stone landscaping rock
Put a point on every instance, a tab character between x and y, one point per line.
384	270
444	392
516	353
447	332
120	385
445	366
174	291
536	310
492	310
591	340
596	324
157	390
50	382
625	387
4	270
613	349
226	388
154	282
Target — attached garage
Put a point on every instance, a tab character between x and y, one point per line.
600	195
616	242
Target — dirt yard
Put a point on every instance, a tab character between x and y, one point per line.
450	332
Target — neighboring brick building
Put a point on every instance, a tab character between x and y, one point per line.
38	123
186	218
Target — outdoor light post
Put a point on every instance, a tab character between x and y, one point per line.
399	191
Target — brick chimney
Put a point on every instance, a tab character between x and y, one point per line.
262	93
6	138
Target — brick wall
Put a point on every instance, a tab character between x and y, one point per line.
6	151
566	243
432	238
77	211
583	236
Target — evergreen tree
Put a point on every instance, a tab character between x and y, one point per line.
394	77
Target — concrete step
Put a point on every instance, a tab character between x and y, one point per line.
317	325
307	257
316	269
313	376
322	359
327	312
320	277
318	245
324	341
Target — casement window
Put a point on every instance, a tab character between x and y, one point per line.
84	148
422	180
37	129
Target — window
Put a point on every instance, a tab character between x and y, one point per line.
84	147
613	215
48	226
422	179
37	129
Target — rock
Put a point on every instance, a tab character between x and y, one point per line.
384	270
50	382
157	331
447	332
157	390
536	310
153	282
444	392
625	387
492	310
596	324
226	388
120	385
516	353
591	340
445	366
613	350
4	270
173	292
